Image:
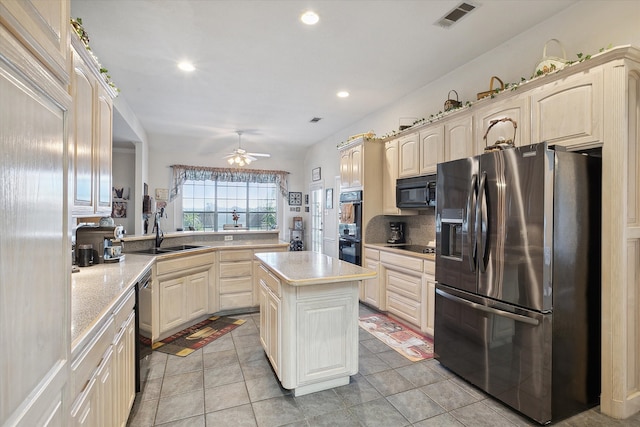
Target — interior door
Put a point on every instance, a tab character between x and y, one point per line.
316	209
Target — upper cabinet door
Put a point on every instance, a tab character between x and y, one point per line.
103	150
41	26
516	109
458	138
431	149
82	91
408	147
569	112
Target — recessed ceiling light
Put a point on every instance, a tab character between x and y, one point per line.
342	94
310	17
186	66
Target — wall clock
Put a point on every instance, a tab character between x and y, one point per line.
295	198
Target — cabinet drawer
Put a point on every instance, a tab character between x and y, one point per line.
184	263
236	255
123	311
405	284
372	254
234	285
430	267
404	308
240	300
87	362
270	280
236	269
407	262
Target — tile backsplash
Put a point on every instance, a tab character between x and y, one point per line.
419	229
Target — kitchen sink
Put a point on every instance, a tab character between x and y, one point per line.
159	251
179	248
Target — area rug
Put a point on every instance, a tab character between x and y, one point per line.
401	338
197	336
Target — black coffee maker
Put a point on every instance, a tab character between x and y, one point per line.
397	233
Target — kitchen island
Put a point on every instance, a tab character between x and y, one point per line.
309	318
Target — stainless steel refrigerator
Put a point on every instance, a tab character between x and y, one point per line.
518	271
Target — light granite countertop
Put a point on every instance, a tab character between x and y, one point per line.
97	290
312	268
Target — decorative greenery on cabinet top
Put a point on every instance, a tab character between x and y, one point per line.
76	24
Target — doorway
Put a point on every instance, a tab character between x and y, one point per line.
316	208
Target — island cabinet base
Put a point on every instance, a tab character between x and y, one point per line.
309	332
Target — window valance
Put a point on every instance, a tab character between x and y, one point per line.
182	173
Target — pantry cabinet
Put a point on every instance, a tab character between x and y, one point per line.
90	134
35	307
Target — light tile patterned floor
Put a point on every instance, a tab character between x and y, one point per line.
230	383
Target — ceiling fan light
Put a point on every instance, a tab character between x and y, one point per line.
230	161
247	161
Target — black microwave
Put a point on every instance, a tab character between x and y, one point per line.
417	192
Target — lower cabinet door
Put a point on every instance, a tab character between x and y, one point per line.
273	327
172	303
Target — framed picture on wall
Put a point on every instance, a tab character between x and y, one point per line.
315	174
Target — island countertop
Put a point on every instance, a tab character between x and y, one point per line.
304	268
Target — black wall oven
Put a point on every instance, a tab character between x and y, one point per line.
350	227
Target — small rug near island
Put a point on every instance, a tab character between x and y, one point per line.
401	338
197	336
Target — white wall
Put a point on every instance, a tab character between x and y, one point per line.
584	27
123	172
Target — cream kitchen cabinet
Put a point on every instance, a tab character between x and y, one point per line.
389	177
256	270
458	138
517	109
409	155
431	149
34	115
184	286
407	286
103	372
270	312
351	163
235	278
310	320
91	134
570	111
428	297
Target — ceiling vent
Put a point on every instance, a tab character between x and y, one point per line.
315	120
456	14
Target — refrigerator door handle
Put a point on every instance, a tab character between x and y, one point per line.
490	310
471	236
481	223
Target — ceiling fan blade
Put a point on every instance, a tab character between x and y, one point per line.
259	154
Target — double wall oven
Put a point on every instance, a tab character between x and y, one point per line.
350	227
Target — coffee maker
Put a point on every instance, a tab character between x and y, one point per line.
105	241
397	233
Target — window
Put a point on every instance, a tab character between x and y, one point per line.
208	205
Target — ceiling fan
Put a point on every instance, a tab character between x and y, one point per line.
240	156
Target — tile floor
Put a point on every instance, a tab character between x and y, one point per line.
230	383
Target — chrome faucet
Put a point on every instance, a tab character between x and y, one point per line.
156	225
